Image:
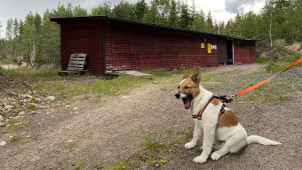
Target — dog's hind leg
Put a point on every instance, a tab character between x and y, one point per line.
236	142
196	136
218	145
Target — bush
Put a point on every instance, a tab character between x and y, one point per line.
289	40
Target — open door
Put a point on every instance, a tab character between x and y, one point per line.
229	51
222	50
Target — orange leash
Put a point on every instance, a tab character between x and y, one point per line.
265	81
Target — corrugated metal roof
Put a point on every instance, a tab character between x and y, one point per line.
60	20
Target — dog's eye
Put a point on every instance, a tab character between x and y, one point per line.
186	87
178	87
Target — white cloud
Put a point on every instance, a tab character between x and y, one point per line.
217	9
221	10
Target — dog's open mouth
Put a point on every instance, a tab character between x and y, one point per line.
187	101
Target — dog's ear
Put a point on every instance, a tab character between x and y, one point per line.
196	76
186	75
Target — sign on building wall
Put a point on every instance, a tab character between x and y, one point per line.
209	48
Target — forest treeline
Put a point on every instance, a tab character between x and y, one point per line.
37	40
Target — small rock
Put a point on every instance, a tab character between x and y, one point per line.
10	136
1	118
75	108
51	98
2	143
15	94
28	96
21	113
8	107
69	141
38	99
2	124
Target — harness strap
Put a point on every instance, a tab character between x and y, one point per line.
199	116
222	110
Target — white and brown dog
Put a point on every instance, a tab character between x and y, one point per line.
221	128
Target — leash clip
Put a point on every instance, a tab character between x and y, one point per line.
224	99
232	96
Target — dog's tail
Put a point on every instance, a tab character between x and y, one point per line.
261	140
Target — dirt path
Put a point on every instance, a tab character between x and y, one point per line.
104	132
100	132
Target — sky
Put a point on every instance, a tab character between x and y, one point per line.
221	10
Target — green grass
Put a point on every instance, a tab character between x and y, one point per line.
8	61
47	83
12	124
72	145
31	106
14	139
79	165
277	65
119	166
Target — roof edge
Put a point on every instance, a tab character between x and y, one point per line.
61	20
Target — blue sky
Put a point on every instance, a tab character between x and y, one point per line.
221	10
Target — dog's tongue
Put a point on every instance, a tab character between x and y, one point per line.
187	102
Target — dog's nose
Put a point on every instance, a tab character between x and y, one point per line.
177	95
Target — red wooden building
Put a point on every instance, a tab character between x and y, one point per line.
117	44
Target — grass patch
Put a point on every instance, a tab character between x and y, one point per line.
45	73
97	164
12	124
154	151
79	165
120	165
96	86
31	106
181	70
47	83
72	145
14	139
8	60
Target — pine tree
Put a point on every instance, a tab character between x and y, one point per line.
199	22
140	8
102	10
185	18
124	10
79	12
209	23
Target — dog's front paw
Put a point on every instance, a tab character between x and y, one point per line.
200	159
190	145
215	156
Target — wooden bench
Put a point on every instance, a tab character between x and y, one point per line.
76	64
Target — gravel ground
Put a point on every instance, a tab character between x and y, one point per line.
98	134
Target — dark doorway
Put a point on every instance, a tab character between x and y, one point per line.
222	50
229	52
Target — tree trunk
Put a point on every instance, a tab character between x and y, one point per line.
33	55
270	30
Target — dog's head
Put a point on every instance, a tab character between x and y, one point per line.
189	88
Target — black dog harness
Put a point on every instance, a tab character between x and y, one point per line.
223	99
